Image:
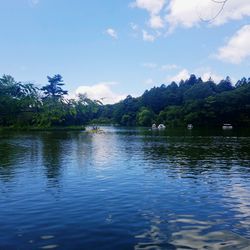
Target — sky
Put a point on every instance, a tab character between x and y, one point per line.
109	49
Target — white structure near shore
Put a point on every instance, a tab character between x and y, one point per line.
227	126
154	126
161	126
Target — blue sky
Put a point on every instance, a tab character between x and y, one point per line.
113	48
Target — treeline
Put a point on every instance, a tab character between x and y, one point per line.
25	105
202	103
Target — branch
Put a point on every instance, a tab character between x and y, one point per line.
223	3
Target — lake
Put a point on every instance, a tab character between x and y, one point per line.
125	189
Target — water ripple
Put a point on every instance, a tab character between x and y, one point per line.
124	189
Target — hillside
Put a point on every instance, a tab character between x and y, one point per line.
191	101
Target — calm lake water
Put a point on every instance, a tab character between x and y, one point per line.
125	189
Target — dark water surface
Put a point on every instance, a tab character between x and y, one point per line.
125	189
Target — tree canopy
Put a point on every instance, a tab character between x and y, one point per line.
53	89
202	103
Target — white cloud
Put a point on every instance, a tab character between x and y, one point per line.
182	75
234	10
190	13
215	77
152	6
164	67
148	37
187	13
204	73
111	32
167	67
156	22
237	48
134	26
101	91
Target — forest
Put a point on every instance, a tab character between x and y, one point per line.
202	103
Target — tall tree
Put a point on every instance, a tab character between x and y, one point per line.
225	85
53	89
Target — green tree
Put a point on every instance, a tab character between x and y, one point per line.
145	117
53	89
225	85
18	102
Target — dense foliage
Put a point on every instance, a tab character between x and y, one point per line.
191	101
23	105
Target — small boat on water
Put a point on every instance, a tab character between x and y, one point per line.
227	126
190	126
154	127
161	127
95	129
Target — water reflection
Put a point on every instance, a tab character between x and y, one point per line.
198	154
193	234
54	146
103	149
8	159
13	153
188	233
237	199
124	189
155	237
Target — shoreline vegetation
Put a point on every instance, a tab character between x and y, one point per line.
23	106
30	129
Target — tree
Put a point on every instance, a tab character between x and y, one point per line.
127	120
55	111
225	85
18	102
53	89
242	82
145	117
199	91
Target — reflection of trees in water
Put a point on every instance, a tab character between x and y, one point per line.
15	152
55	146
8	158
50	150
83	150
197	154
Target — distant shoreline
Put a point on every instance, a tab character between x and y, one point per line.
66	128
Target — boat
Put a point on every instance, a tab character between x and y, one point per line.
227	126
154	127
95	129
161	127
190	126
